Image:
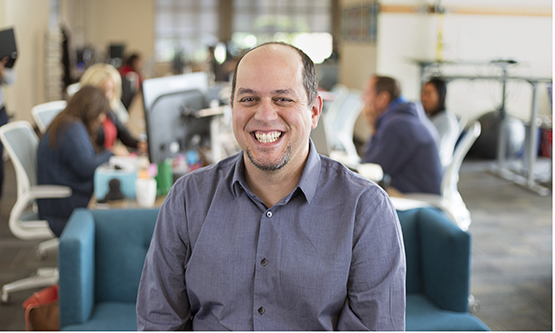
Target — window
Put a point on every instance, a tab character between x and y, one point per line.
185	27
303	23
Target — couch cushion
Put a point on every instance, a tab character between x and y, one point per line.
424	315
109	316
122	241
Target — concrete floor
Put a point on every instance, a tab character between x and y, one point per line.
511	261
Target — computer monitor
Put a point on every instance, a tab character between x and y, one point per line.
172	123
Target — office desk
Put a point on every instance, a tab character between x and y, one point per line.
124	203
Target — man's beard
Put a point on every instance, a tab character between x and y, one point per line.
271	167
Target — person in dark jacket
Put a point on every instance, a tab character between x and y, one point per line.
67	155
401	143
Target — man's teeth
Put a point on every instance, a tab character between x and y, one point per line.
267	137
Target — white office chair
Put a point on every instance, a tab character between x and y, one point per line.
21	143
73	88
43	114
340	123
450	200
463	120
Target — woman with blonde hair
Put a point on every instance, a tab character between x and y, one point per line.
107	78
67	155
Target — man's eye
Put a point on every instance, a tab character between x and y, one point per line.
247	99
284	100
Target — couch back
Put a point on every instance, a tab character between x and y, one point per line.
121	243
123	238
438	257
409	226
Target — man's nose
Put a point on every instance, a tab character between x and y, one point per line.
267	111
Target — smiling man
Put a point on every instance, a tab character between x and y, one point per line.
276	237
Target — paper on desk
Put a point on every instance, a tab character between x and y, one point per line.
371	171
406	204
125	163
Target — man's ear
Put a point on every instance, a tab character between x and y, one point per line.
383	99
316	110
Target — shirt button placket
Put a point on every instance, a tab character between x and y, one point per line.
263	263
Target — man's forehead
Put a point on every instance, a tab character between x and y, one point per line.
275	54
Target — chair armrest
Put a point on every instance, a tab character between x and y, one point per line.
49	191
445	260
76	264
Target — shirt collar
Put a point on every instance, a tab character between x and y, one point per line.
308	181
396	102
391	106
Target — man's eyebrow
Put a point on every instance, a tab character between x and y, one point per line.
245	91
284	91
249	91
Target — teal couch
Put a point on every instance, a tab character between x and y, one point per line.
438	273
101	255
100	260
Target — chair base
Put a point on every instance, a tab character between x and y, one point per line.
44	277
45	247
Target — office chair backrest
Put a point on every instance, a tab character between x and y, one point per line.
73	88
43	114
21	142
341	123
451	176
462	123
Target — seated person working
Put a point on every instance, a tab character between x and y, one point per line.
401	143
67	155
445	121
276	237
107	78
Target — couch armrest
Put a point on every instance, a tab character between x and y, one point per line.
76	266
445	260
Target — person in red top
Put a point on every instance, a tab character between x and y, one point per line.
131	70
108	79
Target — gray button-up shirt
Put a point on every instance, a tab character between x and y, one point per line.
329	256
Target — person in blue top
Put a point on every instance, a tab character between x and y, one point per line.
401	143
67	155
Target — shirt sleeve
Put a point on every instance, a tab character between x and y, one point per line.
78	151
162	301
376	286
123	133
9	76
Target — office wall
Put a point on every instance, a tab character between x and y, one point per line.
357	59
30	29
122	21
473	30
470	38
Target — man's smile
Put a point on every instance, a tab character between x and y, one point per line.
267	137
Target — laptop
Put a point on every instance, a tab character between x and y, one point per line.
8	47
320	139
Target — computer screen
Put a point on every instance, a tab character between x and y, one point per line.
172	124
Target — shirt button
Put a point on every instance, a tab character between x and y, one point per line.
261	310
269	214
264	262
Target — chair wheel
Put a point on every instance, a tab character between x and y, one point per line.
473	304
5	298
41	255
